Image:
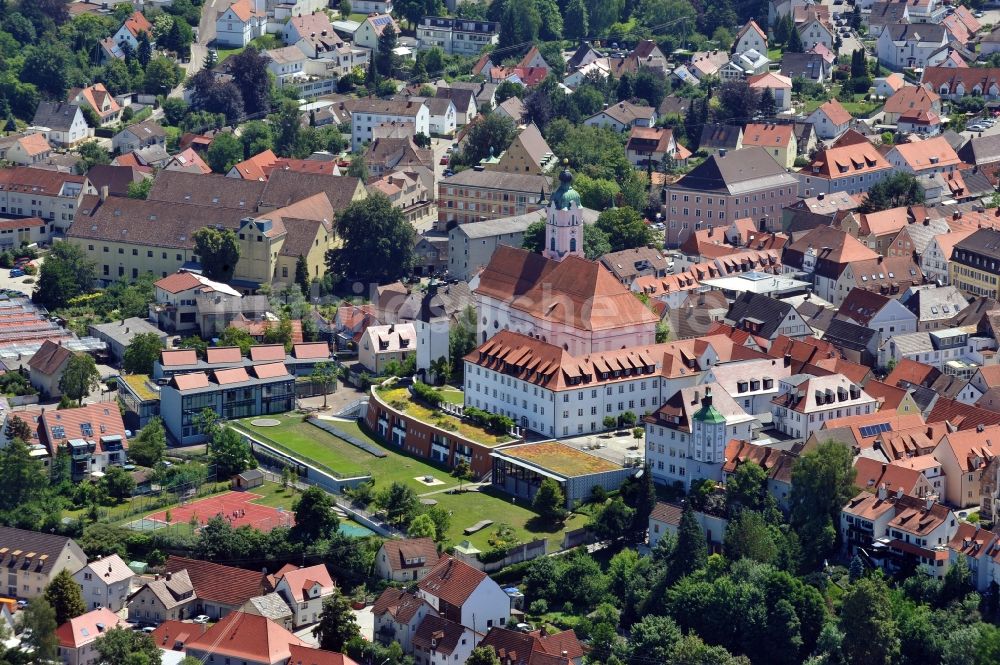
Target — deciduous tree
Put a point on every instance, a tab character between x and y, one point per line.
625	228
65	596
122	646
230	453
871	634
218	250
550	502
822	483
314	516
148	448
80	377
337	623
377	241
141	353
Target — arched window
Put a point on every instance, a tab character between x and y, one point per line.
572	244
572	220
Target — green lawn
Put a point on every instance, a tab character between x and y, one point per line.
400	398
452	395
314	444
467	508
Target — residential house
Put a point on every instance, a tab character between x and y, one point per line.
924	123
371	29
304	589
707	63
887	86
535	647
935	259
905	45
380	345
119	334
105	583
26	150
398	613
456	36
726	187
851	164
815	28
271	606
241	23
366	114
528	153
878	312
46	368
241	637
743	380
965	457
924	158
439	641
990	44
890	275
750	36
878	229
776	462
808	66
464	99
909	99
628	265
686	436
35	192
219	589
806	402
886	12
465	595
780	86
130	30
169	597
97	98
77	637
140	135
831	120
899	531
406	560
744	65
287	64
716	138
824	254
778	140
441	116
654	145
93	434
765	317
935	306
623	116
61	124
953	83
384	156
33	559
962	26
959	350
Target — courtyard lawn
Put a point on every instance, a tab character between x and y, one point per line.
313	444
452	395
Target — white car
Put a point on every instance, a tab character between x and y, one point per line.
201	618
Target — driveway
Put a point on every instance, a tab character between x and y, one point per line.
25	284
199	48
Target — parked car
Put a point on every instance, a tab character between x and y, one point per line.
975	128
16	272
444	160
201	618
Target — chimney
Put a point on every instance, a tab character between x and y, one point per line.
104	193
707	401
899	492
929	502
980	427
820	196
167	576
722	153
881	492
788	360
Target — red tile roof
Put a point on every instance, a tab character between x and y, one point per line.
220	584
399	551
86	628
50	358
223	354
399	604
57	426
172	635
835	112
177	357
302	655
452	581
267	352
301	580
247	637
267	371
178	282
311	350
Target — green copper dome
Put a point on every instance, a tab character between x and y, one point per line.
565	195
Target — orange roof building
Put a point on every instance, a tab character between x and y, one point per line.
933	155
852	164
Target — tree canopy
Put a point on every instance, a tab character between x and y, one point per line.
218	250
377	242
141	353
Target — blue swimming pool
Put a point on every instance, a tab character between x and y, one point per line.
355	530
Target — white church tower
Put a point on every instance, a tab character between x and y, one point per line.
564	226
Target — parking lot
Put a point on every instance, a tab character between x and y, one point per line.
25	283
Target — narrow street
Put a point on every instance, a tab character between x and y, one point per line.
199	48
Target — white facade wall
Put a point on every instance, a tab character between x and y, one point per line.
362	123
675	456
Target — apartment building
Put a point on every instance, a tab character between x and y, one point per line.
33	559
471	246
456	36
852	165
974	264
805	403
476	195
725	187
52	196
94	435
936	257
368	113
231	393
105	583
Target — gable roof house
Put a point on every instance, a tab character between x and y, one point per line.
46	368
766	317
105	583
905	45
61	124
140	135
130	30
406	560
304	589
886	12
750	36
32	559
465	595
954	83
94	434
808	66
831	119
777	139
97	98
528	153
219	589
825	253
165	598
716	138
910	99
77	636
656	145
780	86
924	158
241	23
622	116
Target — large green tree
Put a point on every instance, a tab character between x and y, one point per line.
218	250
80	377
899	189
822	483
314	516
148	447
520	22
40	623
483	656
230	453
625	228
66	597
122	646
691	550
337	623
377	241
141	353
491	135
871	633
225	152
550	502
249	72
399	502
65	274
462	339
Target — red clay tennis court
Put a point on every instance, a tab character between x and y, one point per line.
235	508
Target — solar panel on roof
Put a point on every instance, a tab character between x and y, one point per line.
869	431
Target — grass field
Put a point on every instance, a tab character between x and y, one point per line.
466	508
411	407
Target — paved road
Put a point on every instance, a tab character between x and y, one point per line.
206	33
